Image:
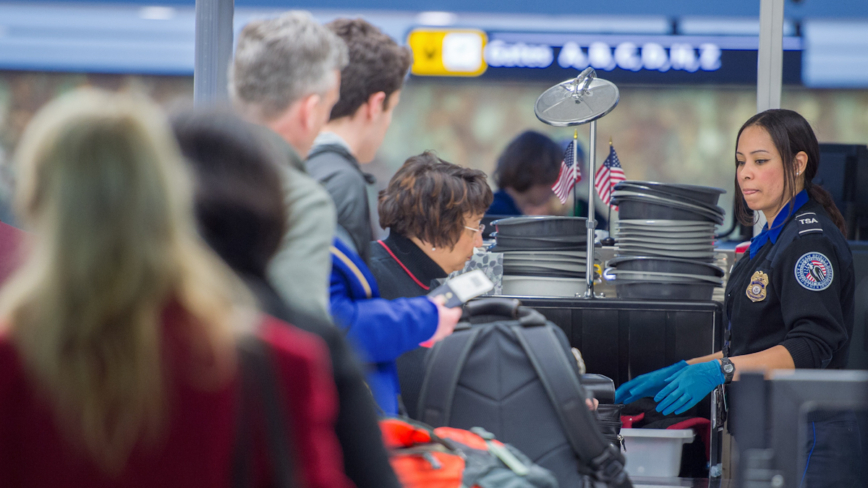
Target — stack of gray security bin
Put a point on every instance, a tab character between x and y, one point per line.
542	256
665	241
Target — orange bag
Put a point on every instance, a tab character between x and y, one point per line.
446	457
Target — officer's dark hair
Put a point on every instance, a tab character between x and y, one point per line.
530	159
791	134
429	198
377	64
238	199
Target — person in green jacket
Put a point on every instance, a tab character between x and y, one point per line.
285	77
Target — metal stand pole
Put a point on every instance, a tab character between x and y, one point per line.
214	35
592	224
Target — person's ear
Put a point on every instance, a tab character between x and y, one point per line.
308	112
374	105
801	162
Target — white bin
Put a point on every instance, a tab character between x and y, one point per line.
543	286
654	452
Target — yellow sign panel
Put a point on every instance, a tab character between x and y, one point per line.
448	52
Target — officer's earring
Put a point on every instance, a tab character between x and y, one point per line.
433	248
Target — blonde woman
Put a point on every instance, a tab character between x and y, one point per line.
119	331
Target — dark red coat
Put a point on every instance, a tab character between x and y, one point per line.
197	448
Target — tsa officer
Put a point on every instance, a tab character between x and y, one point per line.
789	303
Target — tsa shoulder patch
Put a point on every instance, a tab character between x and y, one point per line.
814	271
808	223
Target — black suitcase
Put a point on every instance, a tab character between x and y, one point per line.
510	371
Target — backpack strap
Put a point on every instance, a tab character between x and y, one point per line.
342	152
603	460
444	367
544	352
328	148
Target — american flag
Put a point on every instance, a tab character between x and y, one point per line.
609	175
566	182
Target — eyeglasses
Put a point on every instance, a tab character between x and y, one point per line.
479	229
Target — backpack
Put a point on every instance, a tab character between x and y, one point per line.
510	371
424	457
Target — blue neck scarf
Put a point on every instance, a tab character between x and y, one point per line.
771	234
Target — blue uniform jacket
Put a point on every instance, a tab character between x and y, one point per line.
380	330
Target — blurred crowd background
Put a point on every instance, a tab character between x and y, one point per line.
677	127
676	134
686	86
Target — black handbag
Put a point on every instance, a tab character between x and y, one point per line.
608	412
260	397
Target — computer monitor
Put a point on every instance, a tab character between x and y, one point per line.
772	420
843	172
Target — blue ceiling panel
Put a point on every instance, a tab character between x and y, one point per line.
670	8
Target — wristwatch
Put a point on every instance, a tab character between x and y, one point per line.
728	370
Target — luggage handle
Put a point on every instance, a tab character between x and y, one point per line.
507	307
601	387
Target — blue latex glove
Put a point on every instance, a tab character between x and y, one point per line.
687	387
646	385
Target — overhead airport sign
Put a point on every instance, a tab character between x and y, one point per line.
628	58
448	52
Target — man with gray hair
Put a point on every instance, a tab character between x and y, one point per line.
286	77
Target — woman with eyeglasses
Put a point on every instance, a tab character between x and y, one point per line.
433	210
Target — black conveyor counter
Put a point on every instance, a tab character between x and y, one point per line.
622	339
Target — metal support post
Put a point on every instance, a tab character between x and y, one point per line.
592	224
214	36
770	57
770	65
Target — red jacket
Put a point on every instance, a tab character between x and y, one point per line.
197	448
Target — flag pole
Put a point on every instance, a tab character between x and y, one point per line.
609	240
592	155
575	172
609	218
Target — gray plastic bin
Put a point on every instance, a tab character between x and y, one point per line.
654	452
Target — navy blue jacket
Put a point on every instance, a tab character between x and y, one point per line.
380	330
796	290
503	204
